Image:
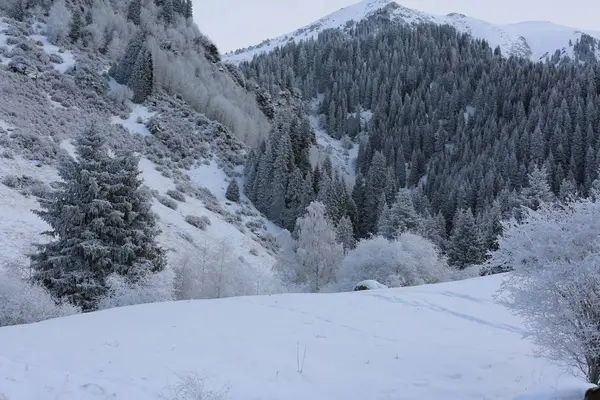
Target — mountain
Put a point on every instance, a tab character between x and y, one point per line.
410	343
534	40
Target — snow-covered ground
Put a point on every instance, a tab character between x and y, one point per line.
529	39
136	122
343	159
448	341
67	56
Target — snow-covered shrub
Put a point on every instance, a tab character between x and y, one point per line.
22	302
310	262
198	222
193	387
58	22
177	195
555	254
214	271
120	94
406	261
151	288
167	202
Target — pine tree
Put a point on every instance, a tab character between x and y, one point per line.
539	190
134	11
345	234
142	77
102	223
189	9
76	25
466	245
233	191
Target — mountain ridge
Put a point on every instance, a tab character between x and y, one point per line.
535	40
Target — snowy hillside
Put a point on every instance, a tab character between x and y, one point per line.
411	343
535	40
39	117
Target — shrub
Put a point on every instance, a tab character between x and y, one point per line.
22	302
167	202
199	222
151	288
233	191
177	195
407	261
192	387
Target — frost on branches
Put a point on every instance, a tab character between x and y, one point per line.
407	260
311	261
555	286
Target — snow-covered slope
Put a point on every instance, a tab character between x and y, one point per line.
445	341
38	117
535	40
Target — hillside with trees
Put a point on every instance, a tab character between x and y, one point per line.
456	137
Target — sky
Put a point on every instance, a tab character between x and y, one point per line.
233	24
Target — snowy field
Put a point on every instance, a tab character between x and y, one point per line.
412	343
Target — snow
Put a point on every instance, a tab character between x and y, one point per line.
49	48
5	126
138	113
211	177
344	160
20	227
411	343
529	39
371	285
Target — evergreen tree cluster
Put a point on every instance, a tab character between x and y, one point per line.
136	68
466	130
101	222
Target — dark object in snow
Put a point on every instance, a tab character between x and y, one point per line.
592	394
368	285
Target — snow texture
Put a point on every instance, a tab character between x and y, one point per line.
136	121
371	285
410	343
342	159
534	40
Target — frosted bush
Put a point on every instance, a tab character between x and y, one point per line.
192	387
120	94
406	261
167	202
177	195
198	222
151	288
22	302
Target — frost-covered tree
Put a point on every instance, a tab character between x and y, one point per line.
101	222
59	17
76	25
555	285
233	191
345	233
23	302
311	261
538	191
134	11
466	246
405	261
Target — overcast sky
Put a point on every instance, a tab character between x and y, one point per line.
239	23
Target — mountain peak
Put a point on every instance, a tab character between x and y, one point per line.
534	40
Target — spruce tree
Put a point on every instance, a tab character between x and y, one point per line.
134	11
101	222
75	26
233	191
466	246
